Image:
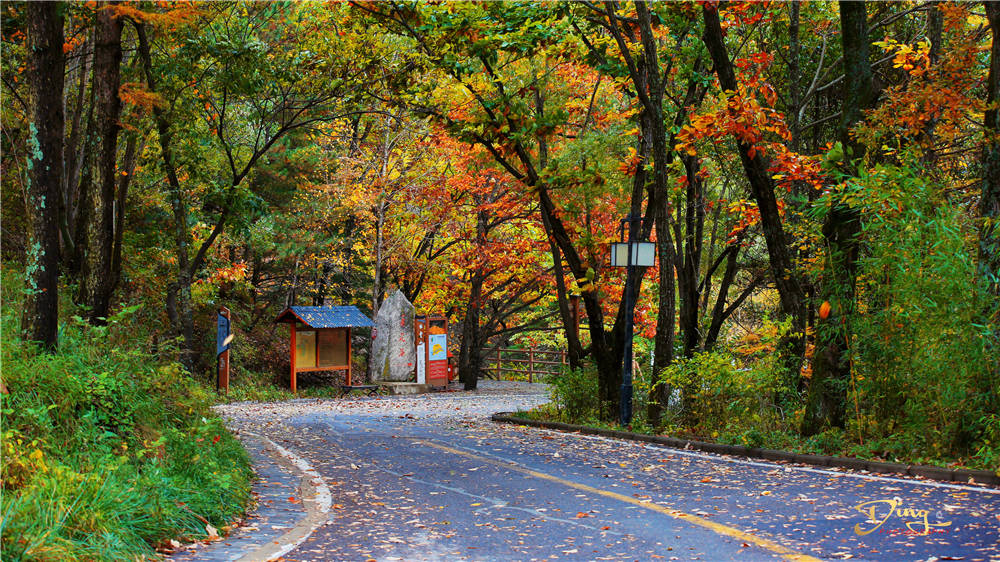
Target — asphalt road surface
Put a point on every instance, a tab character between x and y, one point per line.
431	478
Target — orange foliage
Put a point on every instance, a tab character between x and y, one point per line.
138	95
824	310
182	12
939	95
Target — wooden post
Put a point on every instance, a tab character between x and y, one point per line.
222	362
348	357
531	363
291	379
498	373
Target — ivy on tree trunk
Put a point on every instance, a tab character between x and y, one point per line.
45	169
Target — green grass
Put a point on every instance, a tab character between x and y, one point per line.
249	386
728	409
106	450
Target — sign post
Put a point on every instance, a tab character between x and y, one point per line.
223	338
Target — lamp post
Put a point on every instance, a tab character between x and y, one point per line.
634	253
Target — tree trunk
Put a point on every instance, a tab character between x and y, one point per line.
97	251
690	263
988	268
45	168
720	312
79	211
470	356
831	370
178	300
794	74
574	349
790	293
377	281
132	151
71	168
663	342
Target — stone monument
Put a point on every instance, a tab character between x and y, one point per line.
393	356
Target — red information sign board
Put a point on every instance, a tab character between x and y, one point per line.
437	359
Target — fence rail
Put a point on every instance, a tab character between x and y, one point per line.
504	363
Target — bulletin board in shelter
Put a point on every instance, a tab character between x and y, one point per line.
305	349
332	348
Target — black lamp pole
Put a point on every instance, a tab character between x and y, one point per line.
626	390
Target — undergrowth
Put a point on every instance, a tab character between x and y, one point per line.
250	386
733	397
107	451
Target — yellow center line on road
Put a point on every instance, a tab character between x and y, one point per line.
772	546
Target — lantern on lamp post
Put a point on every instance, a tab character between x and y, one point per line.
634	253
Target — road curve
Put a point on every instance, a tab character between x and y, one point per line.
431	478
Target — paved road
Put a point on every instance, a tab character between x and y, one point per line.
430	478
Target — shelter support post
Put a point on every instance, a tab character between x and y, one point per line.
291	326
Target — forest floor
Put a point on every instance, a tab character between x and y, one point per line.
429	477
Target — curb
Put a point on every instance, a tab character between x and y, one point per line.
964	476
316	500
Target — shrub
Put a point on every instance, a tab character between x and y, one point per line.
921	366
575	393
105	450
733	391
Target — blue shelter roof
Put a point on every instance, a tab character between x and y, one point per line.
326	316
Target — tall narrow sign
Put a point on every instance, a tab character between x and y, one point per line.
223	337
437	360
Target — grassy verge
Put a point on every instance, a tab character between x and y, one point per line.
732	407
107	451
248	386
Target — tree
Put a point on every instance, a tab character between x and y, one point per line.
493	272
826	401
500	59
45	165
96	248
989	202
231	87
988	262
786	279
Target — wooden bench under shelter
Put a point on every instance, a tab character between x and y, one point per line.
321	340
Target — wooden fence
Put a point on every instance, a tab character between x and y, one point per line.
502	363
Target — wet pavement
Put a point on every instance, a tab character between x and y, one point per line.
431	478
